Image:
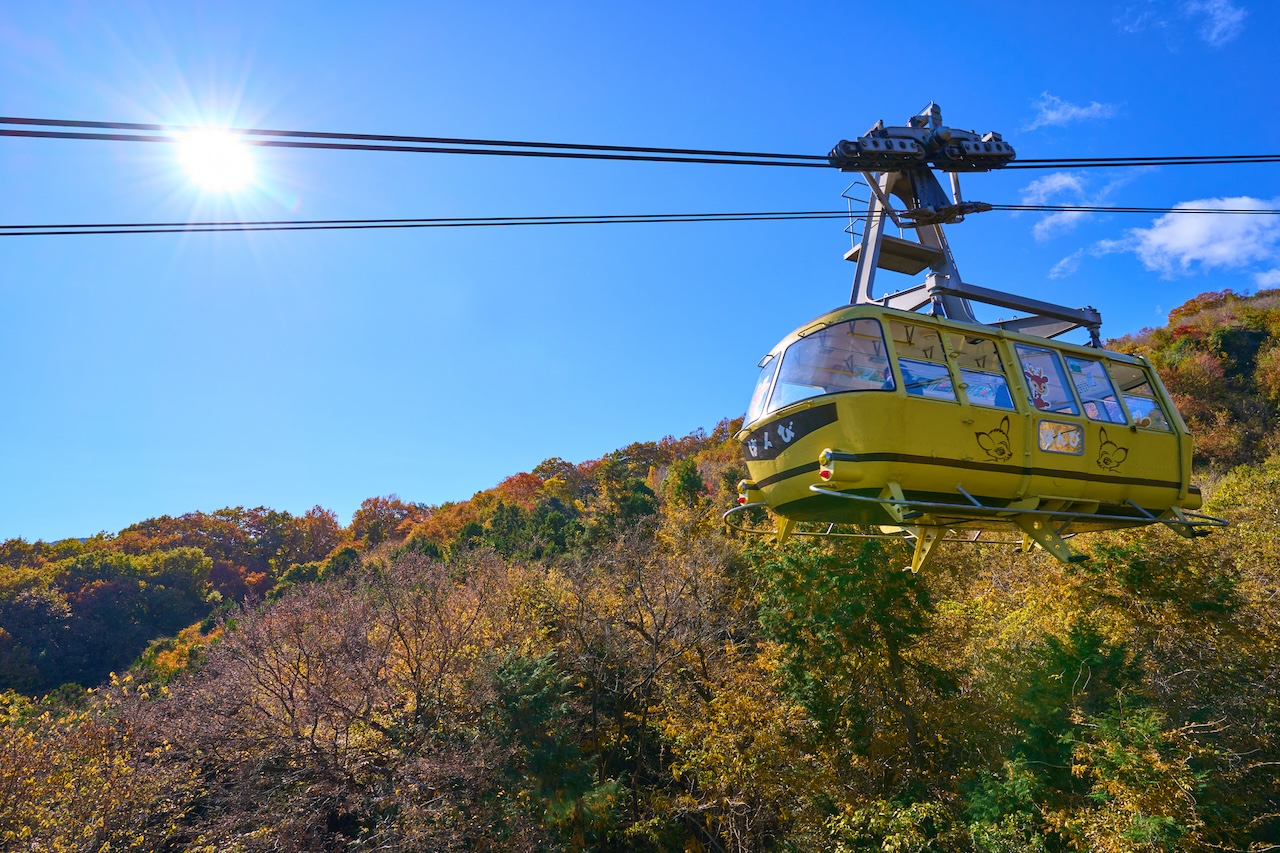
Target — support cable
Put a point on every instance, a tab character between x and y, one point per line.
70	229
167	133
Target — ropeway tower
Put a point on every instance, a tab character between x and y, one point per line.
899	163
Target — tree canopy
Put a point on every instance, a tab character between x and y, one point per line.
582	658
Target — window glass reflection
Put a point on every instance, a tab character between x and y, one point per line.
922	360
847	356
1094	389
763	383
1139	397
981	373
1047	388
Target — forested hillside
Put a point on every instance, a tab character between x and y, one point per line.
581	657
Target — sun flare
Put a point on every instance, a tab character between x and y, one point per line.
217	161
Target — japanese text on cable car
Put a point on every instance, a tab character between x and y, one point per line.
770	440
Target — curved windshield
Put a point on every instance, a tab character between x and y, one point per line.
848	356
768	367
1139	397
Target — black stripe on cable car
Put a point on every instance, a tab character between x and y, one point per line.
993	467
788	474
769	441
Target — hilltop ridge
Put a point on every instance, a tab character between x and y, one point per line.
1219	356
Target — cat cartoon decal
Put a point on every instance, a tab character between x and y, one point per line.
1110	454
996	442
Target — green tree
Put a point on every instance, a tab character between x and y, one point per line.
849	619
534	714
684	484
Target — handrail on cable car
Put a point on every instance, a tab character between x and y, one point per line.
1190	521
905	535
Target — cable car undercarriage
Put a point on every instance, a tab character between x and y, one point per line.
926	524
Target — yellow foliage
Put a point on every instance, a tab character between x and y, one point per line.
75	784
741	756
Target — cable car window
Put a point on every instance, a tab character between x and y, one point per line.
1047	388
1095	390
925	379
981	374
1139	397
923	361
848	356
768	367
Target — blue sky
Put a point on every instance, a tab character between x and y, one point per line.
144	375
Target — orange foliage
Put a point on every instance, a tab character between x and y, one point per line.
1267	374
1201	303
383	518
444	524
229	580
1218	437
588	469
1197	384
523	489
174	656
259	539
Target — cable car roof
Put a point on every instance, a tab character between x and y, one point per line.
848	312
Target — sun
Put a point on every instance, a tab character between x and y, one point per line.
216	160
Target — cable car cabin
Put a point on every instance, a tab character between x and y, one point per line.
925	425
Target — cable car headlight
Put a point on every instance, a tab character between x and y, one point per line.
835	467
749	492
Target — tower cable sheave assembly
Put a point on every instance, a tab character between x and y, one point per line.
900	162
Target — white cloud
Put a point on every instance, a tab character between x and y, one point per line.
1041	190
1067	266
1184	243
1270	278
1176	243
1064	186
1067	188
1109	247
1222	20
1053	111
1057	223
1136	19
1219	21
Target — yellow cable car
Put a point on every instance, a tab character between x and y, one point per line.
925	424
875	416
